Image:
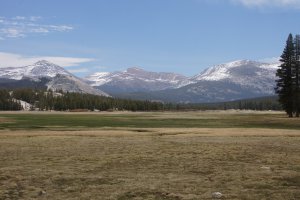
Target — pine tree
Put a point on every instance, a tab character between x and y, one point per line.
297	76
284	87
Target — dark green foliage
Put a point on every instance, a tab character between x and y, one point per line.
288	77
262	103
23	83
73	101
7	102
28	95
284	82
61	101
297	76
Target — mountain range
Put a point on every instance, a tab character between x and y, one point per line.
230	81
136	80
46	75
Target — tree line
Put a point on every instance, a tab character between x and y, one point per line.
44	100
7	102
62	101
288	82
259	104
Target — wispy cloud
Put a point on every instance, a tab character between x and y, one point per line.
20	27
16	60
269	3
80	70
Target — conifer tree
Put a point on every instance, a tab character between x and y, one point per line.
285	85
296	71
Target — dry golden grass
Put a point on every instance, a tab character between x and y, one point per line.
4	120
146	163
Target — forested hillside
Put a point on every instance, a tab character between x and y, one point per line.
60	101
7	102
262	103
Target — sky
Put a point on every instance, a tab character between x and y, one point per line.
181	36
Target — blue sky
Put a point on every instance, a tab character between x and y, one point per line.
183	36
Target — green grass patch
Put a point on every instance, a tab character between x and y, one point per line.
148	120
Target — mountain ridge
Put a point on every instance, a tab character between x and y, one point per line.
40	68
228	81
58	78
135	79
225	82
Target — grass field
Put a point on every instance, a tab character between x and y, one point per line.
77	121
185	155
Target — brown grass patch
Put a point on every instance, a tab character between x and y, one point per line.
128	163
5	120
183	132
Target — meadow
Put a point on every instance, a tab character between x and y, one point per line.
155	155
91	120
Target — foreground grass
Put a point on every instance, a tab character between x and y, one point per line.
67	121
185	155
150	164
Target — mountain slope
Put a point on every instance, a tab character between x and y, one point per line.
226	82
246	73
39	69
44	74
135	80
72	83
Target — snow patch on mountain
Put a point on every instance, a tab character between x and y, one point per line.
99	78
223	71
44	68
59	78
136	76
246	73
39	69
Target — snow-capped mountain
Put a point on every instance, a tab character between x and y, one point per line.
46	75
230	81
246	73
136	80
39	69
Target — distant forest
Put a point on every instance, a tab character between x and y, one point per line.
64	101
261	103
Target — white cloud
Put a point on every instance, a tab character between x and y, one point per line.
40	30
99	67
16	60
20	27
19	18
34	18
66	61
60	28
80	70
12	32
269	3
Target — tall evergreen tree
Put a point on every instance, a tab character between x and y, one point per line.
297	76
285	86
